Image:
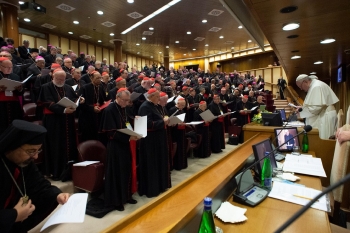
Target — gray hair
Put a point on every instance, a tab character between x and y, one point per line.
119	94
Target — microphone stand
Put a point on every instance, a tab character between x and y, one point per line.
308	205
240	198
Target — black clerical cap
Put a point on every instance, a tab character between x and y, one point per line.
20	133
33	50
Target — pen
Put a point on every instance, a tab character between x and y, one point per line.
308	198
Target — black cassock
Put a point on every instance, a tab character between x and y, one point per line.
217	141
118	167
243	118
88	119
178	135
204	150
72	82
39	190
10	107
60	144
154	173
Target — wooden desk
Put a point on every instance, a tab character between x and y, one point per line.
272	213
324	149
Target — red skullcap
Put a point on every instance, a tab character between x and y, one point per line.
151	91
245	96
157	85
122	89
180	99
145	79
184	88
152	79
202	102
57	70
105	73
55	66
119	79
162	94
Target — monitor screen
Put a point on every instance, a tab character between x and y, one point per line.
341	73
272	119
282	135
283	115
259	150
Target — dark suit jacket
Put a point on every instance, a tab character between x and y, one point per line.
23	52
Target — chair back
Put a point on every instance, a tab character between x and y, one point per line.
92	150
347	120
340	165
29	111
340	118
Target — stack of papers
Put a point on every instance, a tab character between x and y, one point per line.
304	165
230	213
298	194
296	124
85	163
11	84
65	102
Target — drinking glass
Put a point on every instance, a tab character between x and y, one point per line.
296	150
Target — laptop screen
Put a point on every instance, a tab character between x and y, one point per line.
283	115
259	150
283	135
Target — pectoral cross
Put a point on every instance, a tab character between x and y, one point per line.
25	200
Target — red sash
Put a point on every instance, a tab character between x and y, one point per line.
12	194
47	111
4	98
133	166
220	119
181	126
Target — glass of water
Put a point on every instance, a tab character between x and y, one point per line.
296	150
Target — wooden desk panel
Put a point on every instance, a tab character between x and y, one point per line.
324	149
176	207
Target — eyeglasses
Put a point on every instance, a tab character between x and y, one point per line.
5	67
32	153
128	100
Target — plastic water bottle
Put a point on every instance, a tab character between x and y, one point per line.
207	223
266	172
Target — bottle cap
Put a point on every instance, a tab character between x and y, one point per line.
207	201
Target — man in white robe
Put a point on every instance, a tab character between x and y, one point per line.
318	107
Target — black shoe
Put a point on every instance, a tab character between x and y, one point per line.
119	208
131	201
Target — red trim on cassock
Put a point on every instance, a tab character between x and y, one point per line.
4	98
133	166
47	111
12	194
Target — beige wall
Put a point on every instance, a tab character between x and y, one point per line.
64	45
91	50
99	54
31	40
74	45
82	48
53	40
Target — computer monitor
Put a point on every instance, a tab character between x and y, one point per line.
272	119
282	135
259	150
283	115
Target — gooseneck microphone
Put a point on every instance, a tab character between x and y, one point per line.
237	194
308	205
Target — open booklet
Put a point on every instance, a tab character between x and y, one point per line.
209	116
140	131
173	120
11	84
65	102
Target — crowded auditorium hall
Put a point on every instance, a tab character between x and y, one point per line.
131	116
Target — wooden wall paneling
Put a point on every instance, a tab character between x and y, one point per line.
105	53
276	73
143	62
74	46
147	62
134	62
124	57
53	40
99	54
64	45
40	42
284	75
268	87
91	50
31	40
259	72
111	57
129	60
82	48
138	63
268	75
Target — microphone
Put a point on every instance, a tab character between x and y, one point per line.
308	205
240	198
300	109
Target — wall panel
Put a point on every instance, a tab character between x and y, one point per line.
64	45
268	75
91	50
82	48
111	57
74	46
138	63
31	40
134	62
53	40
99	54
40	42
276	73
129	60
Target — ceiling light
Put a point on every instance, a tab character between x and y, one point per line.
288	9
318	62
100	12
76	22
290	26
167	46
327	41
194	49
70	33
206	45
204	21
20	2
138	52
313	73
185	54
111	34
99	41
151	56
151	28
163	8
221	37
26	19
143	38
130	1
296	57
240	27
188	33
137	44
177	42
160	52
249	41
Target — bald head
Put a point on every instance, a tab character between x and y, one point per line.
6	67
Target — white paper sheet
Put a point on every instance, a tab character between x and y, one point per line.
140	126
195	123
65	102
170	99
177	98
11	84
75	87
298	195
207	115
253	108
304	165
173	120
85	163
71	212
130	132
81	68
134	96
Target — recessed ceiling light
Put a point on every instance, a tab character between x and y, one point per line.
206	45
26	19
151	28
288	9
70	33
292	36
204	21
160	52
99	41
167	46
143	38
327	41
100	12
138	52
313	73
221	37
111	34
295	57
20	2
194	49
249	41
76	22
185	54
137	44
318	62
188	33
177	42
240	27
130	1
151	56
290	26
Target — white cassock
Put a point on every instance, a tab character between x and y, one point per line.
318	108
